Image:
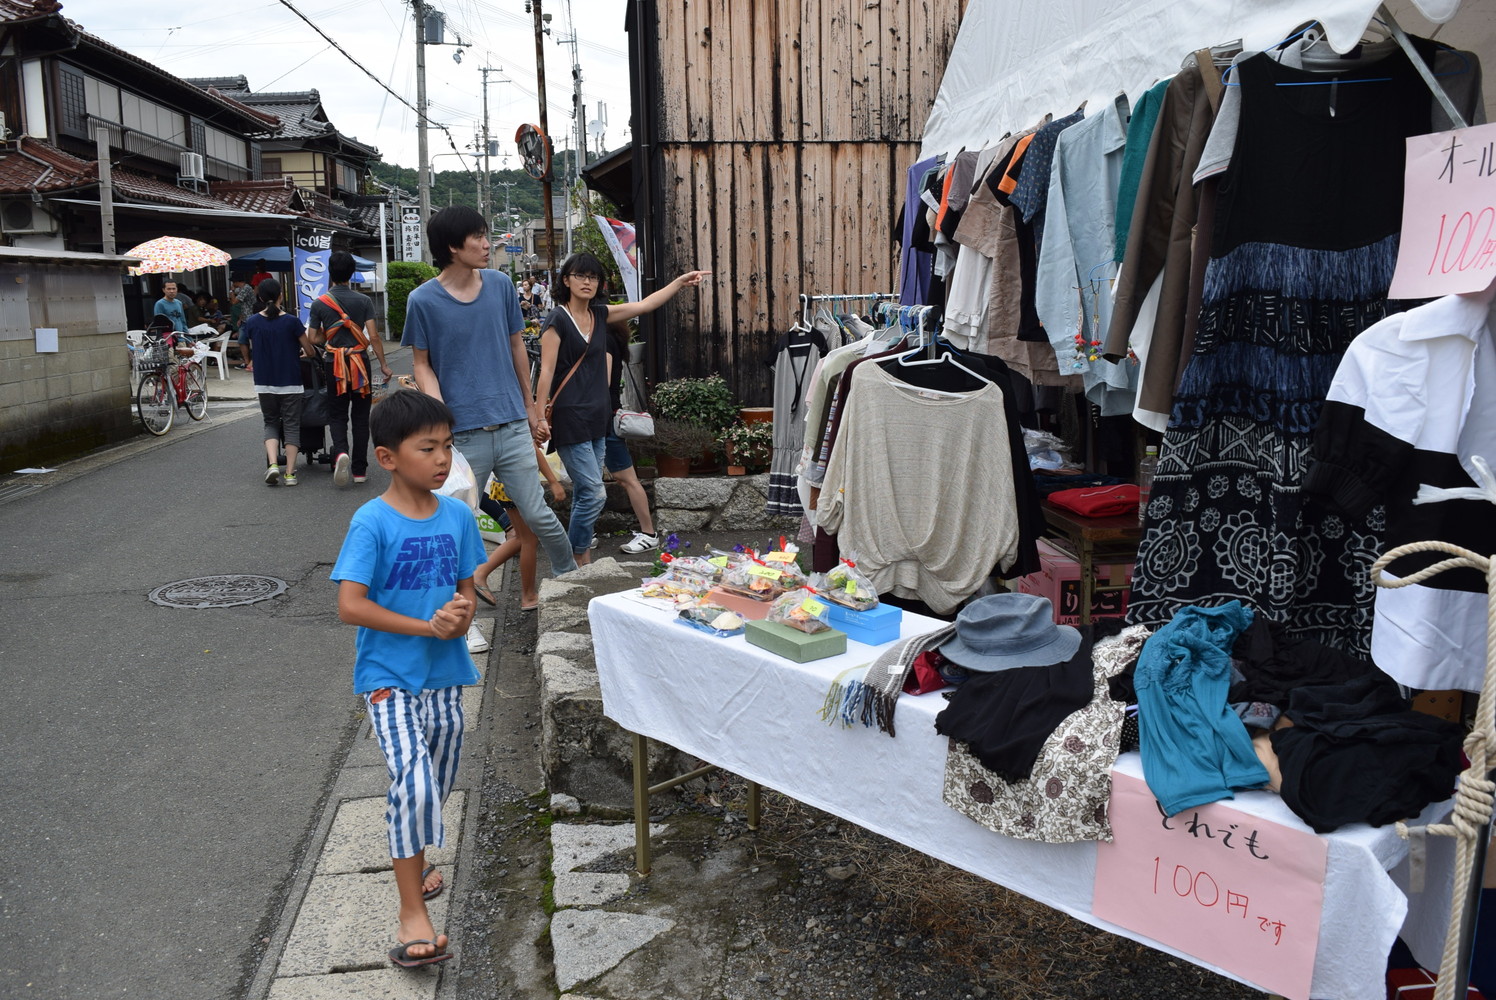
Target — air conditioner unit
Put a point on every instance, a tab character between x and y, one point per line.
192	167
20	218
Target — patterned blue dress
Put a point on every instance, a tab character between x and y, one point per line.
1302	254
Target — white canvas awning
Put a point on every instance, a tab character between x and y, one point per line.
1016	60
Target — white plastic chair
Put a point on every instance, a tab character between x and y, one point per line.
217	347
134	343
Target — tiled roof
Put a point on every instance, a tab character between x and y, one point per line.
40	166
236	86
26	10
298	120
144	188
259	196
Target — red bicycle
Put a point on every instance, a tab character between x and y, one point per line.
168	381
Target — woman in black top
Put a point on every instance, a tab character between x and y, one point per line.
578	412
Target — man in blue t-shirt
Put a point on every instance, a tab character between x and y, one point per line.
464	331
170	306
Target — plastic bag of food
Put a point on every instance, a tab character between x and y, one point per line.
696	565
801	609
847	585
761	583
712	618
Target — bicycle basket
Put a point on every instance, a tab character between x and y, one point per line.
155	354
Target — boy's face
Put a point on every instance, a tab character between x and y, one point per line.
473	253
422	460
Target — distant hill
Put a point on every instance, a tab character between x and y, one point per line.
459	187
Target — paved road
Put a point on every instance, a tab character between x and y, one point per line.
162	768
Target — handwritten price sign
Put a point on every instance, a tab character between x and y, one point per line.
1235	890
1449	214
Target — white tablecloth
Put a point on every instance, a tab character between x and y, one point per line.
755	714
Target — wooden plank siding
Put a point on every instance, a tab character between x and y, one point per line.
785	128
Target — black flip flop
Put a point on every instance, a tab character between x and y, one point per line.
401	956
431	893
486	596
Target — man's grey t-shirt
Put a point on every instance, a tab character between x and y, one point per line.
358	306
468	344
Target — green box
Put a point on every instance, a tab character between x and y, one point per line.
795	645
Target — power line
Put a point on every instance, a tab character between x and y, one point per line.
419	113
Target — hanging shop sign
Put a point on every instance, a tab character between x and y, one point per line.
534	151
1233	889
625	248
311	249
410	233
1449	215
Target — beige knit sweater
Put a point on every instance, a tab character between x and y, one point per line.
920	487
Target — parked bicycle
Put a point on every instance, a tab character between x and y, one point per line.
169	380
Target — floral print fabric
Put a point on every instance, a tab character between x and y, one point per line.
1064	799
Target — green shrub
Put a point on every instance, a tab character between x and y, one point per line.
404	276
700	402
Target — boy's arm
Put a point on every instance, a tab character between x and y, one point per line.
449	621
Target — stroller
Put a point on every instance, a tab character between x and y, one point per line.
316	437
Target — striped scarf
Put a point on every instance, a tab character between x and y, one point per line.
868	693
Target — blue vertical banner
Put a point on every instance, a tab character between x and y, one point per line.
311	249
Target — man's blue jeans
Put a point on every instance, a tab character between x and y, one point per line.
584	464
509	453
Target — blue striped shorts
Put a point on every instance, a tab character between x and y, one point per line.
421	736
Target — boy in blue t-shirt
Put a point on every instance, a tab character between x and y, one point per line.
405	577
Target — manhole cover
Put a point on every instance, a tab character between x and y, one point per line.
217	591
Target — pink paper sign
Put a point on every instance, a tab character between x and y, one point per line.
1229	888
1449	214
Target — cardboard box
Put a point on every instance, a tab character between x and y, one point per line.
1447	705
795	645
746	607
1059	580
1418	984
874	626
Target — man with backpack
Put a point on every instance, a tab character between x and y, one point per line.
342	321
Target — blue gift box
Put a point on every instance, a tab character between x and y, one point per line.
873	627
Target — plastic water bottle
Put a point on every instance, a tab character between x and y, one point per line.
1146	468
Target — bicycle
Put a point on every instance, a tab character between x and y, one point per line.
160	393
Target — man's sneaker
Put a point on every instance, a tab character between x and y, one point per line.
594	542
476	642
342	469
273	476
289	479
640	543
360	479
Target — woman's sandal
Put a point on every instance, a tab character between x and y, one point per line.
401	956
486	596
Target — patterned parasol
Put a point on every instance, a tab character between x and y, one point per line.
175	253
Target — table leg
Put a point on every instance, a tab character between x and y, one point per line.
753	805
641	804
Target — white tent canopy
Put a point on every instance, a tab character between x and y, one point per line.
1016	60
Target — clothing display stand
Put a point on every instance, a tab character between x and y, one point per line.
1470	824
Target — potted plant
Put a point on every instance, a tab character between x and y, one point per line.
749	447
675	443
702	404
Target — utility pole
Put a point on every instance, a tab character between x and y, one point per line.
579	144
423	178
509	221
550	215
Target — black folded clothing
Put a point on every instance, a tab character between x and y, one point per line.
1357	753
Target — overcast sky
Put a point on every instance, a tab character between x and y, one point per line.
265	41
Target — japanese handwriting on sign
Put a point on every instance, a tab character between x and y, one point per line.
1203	890
1448	239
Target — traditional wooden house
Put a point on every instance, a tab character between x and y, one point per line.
771	140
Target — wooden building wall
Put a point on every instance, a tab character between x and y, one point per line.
782	133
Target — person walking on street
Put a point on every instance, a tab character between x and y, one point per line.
280	341
405	578
616	457
343	321
465	333
578	412
242	297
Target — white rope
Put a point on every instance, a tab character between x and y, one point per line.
1485	491
1476	793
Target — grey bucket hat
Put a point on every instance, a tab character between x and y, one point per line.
1003	631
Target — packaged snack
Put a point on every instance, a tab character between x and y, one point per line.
847	585
675	585
800	609
697	566
762	583
712	618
